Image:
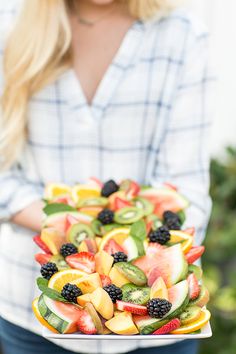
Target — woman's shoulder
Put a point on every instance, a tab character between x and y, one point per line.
175	32
179	22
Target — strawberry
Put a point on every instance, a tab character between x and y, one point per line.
85	323
133	190
171	186
194	288
190	231
168	327
112	247
130	187
93	181
148	226
133	308
105	280
154	249
121	203
37	239
42	258
194	253
84	261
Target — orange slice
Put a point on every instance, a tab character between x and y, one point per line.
194	326
54	190
59	279
91	210
83	191
40	317
119	235
185	239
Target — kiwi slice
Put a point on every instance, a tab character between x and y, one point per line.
108	227
96	227
202	299
135	294
193	268
80	232
190	314
60	262
128	215
100	201
132	273
143	204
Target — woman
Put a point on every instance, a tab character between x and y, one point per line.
102	88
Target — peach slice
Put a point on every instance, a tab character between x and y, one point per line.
82	300
53	238
102	303
159	289
122	324
117	278
104	262
89	283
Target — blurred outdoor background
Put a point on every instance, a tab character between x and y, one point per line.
219	261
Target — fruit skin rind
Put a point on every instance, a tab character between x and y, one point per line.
190	314
194	326
126	268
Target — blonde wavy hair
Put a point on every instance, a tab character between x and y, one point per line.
38	50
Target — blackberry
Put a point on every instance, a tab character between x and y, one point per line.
70	292
48	269
160	235
109	187
106	216
67	249
171	220
114	292
120	257
167	215
158	307
172	224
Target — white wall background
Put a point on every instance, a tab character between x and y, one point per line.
220	16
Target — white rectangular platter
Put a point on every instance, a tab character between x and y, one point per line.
206	332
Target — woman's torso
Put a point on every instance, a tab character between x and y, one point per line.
117	136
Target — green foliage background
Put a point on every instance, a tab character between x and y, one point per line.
219	261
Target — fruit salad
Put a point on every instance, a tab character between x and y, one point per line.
115	259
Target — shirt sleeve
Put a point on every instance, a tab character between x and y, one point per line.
183	156
16	192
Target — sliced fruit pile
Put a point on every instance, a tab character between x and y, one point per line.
114	259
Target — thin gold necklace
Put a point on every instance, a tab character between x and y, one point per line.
90	23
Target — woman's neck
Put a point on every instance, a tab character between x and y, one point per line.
89	10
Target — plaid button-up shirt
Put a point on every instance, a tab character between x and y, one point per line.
149	120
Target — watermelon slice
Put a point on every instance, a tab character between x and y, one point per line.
178	297
164	199
61	316
59	220
170	264
172	260
147	324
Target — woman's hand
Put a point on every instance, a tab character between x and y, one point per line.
30	217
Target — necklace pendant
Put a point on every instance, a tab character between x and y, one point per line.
84	22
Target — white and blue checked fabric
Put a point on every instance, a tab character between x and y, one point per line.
149	120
